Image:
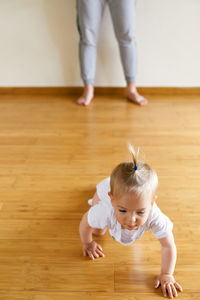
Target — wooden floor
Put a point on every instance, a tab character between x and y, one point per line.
52	154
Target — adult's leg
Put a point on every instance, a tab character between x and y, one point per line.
89	15
123	18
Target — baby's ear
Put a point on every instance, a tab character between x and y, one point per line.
154	199
111	197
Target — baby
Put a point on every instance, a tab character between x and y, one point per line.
125	205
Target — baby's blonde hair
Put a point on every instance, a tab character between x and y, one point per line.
133	176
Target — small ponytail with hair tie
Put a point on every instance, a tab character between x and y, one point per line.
134	156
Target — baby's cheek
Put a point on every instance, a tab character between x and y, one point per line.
117	216
143	220
120	217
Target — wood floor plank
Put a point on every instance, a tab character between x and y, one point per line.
72	276
13	276
63	277
16	295
141	278
108	296
89	296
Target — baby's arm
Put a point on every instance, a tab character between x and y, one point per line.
166	279
90	247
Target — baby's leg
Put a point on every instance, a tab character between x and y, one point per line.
96	231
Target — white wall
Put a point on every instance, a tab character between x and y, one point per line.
39	44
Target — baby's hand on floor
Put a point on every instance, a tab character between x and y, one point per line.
93	250
168	285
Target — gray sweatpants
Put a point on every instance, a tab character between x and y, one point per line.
89	16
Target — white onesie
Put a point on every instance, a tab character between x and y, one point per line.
102	215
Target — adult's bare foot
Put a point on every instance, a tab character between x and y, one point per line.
134	96
137	98
88	94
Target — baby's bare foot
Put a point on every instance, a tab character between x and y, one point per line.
87	96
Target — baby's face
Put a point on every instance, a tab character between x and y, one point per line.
131	211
